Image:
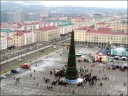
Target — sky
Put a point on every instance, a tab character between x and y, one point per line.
102	4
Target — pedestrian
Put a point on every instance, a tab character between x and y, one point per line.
19	77
73	92
51	87
37	84
14	78
34	71
34	78
30	75
101	84
124	84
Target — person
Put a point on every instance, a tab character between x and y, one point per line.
34	78
51	87
101	84
73	92
37	84
30	75
34	71
124	84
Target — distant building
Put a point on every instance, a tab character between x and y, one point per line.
31	16
3	16
3	42
120	51
6	32
47	34
13	16
23	38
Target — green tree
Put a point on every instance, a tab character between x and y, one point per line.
71	72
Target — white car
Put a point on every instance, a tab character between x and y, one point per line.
20	60
2	77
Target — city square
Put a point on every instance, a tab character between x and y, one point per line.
66	48
28	85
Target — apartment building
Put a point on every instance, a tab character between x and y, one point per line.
99	37
3	42
23	38
46	34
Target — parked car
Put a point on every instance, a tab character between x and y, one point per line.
2	77
42	50
124	58
20	60
14	71
25	66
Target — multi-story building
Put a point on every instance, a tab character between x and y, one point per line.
57	22
13	16
10	42
101	25
3	42
120	51
100	37
116	27
66	28
6	32
46	34
119	27
21	25
31	16
23	38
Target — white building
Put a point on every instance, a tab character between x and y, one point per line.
3	42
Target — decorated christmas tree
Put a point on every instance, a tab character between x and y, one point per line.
71	72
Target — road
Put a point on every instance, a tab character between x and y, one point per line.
29	58
16	52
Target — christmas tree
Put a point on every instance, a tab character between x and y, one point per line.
71	72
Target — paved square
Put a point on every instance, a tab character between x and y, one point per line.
28	85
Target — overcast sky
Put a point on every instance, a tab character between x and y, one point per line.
106	4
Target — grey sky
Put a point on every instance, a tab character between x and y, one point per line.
106	4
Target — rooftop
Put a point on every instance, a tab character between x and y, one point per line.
56	20
101	31
47	28
6	30
105	32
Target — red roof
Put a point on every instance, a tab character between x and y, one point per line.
100	23
101	31
105	32
21	32
83	28
104	29
47	28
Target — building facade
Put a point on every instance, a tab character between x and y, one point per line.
46	34
89	36
3	42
